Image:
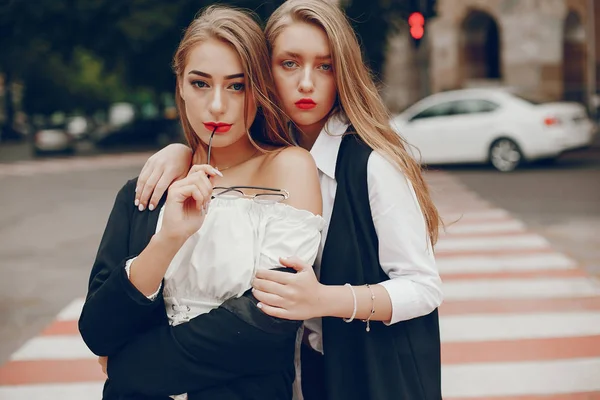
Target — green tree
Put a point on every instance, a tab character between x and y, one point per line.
81	54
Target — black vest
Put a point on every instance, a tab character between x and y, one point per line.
397	362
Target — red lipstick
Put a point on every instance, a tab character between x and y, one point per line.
222	127
306	103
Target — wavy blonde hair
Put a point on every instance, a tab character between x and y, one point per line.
239	29
358	97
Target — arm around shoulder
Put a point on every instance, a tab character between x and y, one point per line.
294	170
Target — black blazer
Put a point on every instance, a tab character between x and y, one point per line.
397	362
233	352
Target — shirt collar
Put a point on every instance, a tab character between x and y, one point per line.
326	147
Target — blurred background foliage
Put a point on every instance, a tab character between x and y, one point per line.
78	56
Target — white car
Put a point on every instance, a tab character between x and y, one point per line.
491	125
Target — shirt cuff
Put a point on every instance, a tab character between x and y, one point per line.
410	300
154	295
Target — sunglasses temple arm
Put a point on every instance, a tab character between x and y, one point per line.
210	145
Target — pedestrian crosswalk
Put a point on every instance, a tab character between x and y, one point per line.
520	321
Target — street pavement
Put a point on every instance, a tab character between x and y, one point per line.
520	320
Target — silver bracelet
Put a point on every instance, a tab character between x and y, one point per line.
354	297
368	320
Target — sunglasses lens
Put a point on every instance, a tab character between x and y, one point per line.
264	198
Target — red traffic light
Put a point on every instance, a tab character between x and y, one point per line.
416	21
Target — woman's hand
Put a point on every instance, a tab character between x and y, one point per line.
296	296
163	168
187	203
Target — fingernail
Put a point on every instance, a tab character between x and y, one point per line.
218	172
141	207
135	190
151	207
259	305
137	202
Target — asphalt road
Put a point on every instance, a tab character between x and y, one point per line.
561	201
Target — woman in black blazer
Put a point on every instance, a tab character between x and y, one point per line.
169	302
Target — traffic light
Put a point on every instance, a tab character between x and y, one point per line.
416	23
419	11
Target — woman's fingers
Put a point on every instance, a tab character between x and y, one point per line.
284	278
159	190
207	169
270	287
155	180
269	298
190	191
141	182
203	185
198	197
202	181
148	187
274	311
199	177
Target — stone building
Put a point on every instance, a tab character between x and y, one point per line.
545	49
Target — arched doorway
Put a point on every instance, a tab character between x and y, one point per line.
480	40
574	53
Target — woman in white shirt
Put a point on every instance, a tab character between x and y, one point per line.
249	198
327	92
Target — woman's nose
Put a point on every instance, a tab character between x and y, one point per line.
216	105
306	83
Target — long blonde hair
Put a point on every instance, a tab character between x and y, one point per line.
358	97
240	30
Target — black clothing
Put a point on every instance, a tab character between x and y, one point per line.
234	352
397	362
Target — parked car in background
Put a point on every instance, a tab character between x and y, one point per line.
492	125
155	132
62	137
53	139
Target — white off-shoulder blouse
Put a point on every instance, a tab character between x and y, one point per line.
238	237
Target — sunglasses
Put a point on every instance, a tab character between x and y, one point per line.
265	196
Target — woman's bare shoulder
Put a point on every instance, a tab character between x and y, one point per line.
291	159
294	169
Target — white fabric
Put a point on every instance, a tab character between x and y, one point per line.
154	295
237	238
405	252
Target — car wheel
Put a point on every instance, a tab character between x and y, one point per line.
505	155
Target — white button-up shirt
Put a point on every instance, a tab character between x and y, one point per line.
405	252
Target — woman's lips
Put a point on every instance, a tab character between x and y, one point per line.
221	128
306	104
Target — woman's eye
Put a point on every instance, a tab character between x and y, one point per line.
288	64
237	86
200	84
326	67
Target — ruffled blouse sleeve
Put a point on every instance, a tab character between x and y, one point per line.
290	232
